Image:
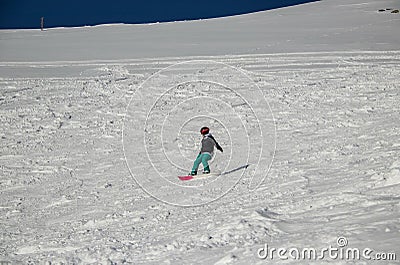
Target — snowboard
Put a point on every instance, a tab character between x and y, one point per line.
199	176
202	176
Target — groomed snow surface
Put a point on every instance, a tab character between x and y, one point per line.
79	135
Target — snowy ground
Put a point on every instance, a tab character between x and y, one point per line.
68	192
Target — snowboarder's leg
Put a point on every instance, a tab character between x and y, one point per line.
196	164
204	161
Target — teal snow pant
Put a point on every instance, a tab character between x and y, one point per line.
201	158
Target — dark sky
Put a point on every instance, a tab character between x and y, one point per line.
27	13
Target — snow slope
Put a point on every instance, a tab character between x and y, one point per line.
318	26
77	108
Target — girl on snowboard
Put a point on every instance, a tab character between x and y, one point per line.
207	150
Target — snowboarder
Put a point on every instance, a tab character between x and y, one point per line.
206	152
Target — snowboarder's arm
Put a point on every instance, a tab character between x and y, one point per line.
218	147
216	144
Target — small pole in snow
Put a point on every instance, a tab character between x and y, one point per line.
41	23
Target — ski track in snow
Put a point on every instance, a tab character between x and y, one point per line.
67	194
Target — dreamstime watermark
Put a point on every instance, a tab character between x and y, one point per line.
340	251
161	131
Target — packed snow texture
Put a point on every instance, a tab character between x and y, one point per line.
68	196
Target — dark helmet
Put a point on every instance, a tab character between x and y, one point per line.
204	130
